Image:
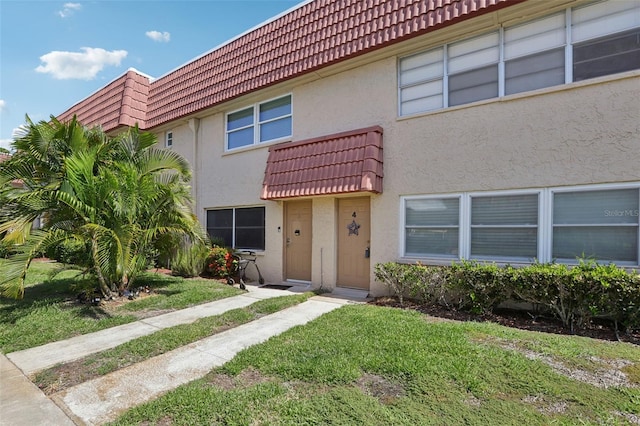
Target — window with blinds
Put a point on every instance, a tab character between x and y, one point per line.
603	38
601	222
534	54
504	226
432	227
596	224
606	37
473	69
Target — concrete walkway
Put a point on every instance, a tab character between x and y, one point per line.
103	399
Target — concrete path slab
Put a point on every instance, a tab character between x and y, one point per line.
32	360
103	399
22	403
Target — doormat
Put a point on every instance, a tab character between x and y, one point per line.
277	286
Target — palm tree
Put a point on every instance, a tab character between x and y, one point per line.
117	195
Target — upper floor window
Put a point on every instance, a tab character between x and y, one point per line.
264	122
168	139
598	39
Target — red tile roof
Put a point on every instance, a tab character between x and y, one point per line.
310	37
335	164
123	102
17	182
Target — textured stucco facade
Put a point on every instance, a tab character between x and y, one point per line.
577	134
583	133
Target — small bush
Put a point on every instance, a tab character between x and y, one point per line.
71	252
484	285
399	277
220	263
431	285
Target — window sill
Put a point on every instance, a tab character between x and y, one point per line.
256	146
432	261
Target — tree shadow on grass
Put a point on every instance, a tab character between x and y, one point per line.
61	293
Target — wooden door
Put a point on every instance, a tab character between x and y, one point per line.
354	234
297	241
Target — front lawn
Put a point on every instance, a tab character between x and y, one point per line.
51	311
383	366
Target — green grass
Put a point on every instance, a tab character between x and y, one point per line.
379	366
49	310
60	377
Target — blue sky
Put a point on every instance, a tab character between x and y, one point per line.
54	53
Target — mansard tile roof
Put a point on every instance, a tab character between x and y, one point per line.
312	36
335	164
123	102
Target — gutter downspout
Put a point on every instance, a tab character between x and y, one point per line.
194	125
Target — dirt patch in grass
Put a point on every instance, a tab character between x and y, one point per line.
609	375
247	378
63	376
380	388
544	406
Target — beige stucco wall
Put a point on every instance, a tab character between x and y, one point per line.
582	133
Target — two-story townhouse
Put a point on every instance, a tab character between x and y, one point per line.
345	133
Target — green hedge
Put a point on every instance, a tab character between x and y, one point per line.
574	295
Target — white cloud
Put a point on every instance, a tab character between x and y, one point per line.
159	36
79	65
6	144
3	105
68	9
20	131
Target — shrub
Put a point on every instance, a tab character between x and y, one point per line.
479	287
71	252
190	260
573	294
399	277
431	285
220	263
619	294
557	289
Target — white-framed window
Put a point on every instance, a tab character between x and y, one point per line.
263	122
593	40
562	224
472	67
238	227
504	226
600	224
168	139
534	54
432	226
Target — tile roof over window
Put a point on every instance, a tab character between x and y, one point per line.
123	102
335	164
315	35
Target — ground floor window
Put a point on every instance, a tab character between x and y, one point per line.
240	227
601	224
547	224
